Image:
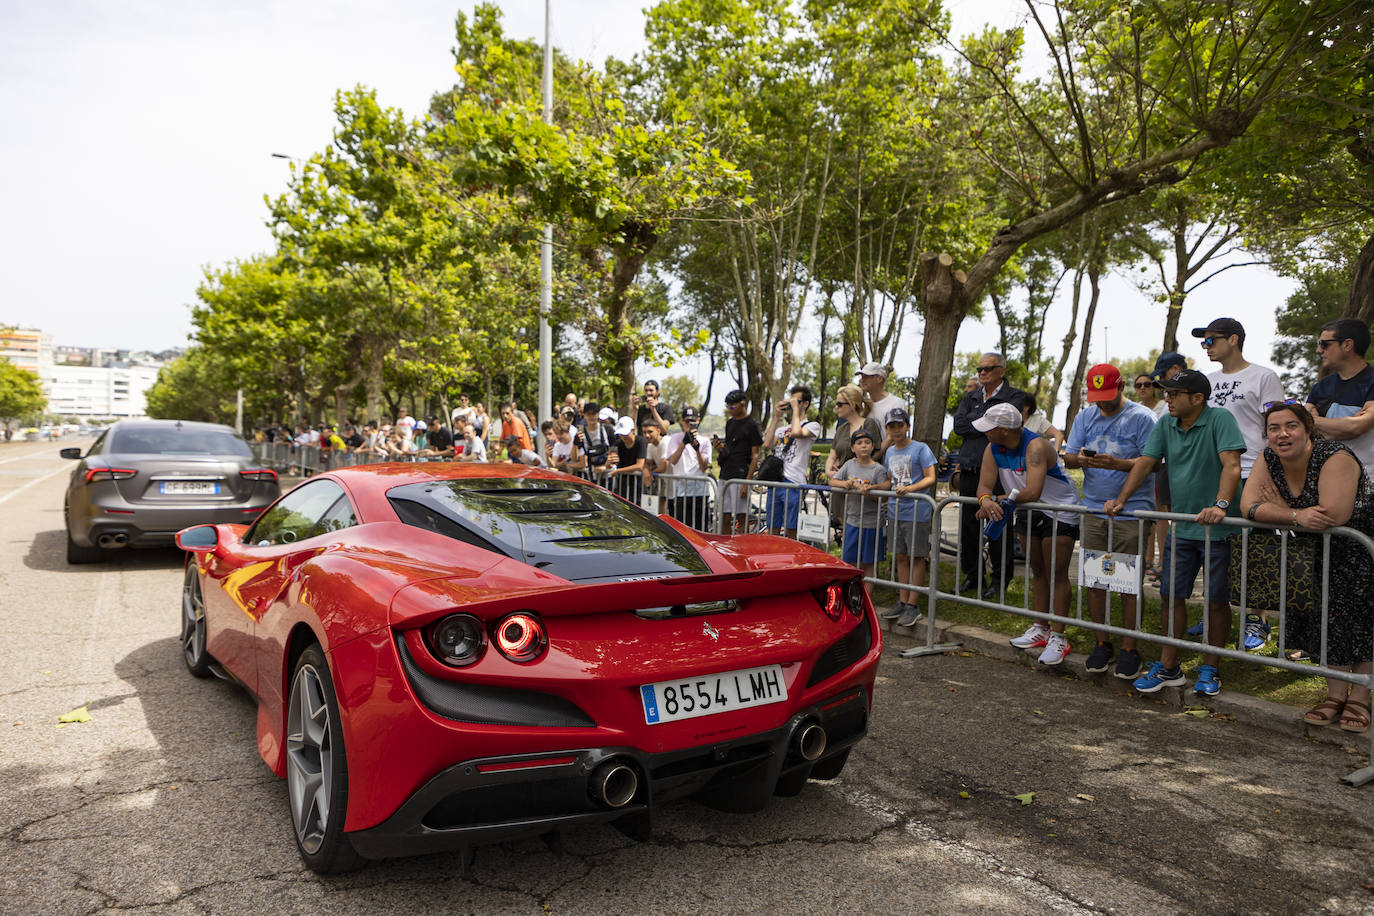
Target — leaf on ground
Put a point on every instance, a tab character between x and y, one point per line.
1197	712
1025	799
963	795
1085	797
76	715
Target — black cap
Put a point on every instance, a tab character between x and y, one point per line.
591	407
736	396
858	434
1222	327
897	415
1171	358
690	413
1189	380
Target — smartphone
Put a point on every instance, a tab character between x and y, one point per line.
1090	452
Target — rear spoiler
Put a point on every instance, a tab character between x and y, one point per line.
490	597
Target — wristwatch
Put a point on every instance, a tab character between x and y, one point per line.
1222	504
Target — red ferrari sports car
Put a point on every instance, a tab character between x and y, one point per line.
449	655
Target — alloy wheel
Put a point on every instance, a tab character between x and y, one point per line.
309	758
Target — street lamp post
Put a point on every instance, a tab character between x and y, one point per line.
546	253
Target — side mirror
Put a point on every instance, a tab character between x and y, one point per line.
201	537
70	453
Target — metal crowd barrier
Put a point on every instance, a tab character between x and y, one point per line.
707	504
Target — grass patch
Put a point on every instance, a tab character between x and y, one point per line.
1252	679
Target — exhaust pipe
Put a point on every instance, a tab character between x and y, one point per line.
118	539
809	742
614	783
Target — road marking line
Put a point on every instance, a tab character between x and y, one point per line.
28	457
36	480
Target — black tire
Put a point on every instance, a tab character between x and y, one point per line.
78	555
198	661
317	768
831	766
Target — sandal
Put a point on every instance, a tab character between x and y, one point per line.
1297	655
1356	716
1327	712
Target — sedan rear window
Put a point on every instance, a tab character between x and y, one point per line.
170	440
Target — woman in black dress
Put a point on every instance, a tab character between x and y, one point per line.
1319	484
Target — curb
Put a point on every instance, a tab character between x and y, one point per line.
1239	707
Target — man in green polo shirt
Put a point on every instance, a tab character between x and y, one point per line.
1202	446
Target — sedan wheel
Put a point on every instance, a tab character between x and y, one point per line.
193	624
317	769
76	554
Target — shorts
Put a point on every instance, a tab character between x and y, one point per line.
1126	534
1042	525
861	545
909	538
734	497
784	508
1179	568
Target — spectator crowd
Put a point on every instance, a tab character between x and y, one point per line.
1229	443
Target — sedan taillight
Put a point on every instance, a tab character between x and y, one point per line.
256	474
96	474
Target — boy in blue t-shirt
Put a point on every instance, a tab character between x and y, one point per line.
912	466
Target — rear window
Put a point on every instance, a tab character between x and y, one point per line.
169	440
541	521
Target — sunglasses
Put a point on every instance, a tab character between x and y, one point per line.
982	369
1324	342
842	404
1286	402
1208	341
1140	385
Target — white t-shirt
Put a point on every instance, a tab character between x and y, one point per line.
562	451
1037	424
1160	408
687	464
1244	394
406	425
475	448
796	453
879	410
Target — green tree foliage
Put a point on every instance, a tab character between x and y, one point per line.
21	393
198	386
678	391
1320	298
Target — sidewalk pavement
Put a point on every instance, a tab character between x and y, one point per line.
1242	708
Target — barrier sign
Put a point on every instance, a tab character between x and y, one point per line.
813	526
1115	572
649	503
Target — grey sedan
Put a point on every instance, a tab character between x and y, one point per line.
144	480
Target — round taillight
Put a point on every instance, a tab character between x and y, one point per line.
833	604
855	597
520	637
457	640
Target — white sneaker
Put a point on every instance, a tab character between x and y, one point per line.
1056	651
1037	636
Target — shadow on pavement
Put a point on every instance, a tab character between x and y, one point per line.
48	552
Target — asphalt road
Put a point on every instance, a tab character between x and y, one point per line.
161	803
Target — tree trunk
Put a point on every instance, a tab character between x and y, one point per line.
1360	303
946	305
1076	392
1069	337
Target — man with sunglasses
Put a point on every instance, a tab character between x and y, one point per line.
1242	388
1343	401
992	389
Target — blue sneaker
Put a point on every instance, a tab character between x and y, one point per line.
1208	684
1195	629
1256	632
1159	677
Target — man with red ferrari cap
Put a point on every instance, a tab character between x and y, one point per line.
1106	438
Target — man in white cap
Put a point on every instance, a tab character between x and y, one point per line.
873	379
1029	469
625	478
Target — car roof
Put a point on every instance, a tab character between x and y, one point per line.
148	423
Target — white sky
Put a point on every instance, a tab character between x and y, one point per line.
137	141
